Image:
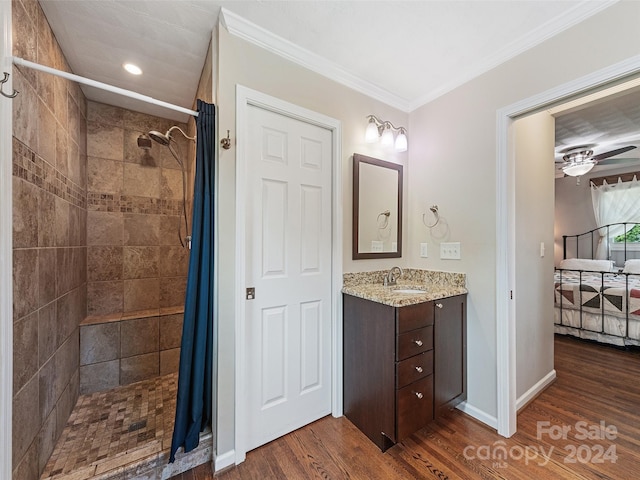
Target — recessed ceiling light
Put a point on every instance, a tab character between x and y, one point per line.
132	69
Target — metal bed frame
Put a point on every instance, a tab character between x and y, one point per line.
590	236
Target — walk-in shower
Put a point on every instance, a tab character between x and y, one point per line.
99	274
130	336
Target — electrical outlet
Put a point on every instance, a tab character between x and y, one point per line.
450	251
423	250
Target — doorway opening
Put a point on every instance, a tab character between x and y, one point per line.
506	223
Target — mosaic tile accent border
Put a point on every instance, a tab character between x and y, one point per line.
105	202
32	168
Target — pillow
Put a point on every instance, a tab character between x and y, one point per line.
632	266
587	265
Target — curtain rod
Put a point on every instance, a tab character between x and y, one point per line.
102	86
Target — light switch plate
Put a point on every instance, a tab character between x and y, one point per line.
423	250
450	251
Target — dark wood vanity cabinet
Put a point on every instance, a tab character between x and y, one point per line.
450	356
395	378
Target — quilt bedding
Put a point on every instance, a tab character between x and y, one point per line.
596	292
598	302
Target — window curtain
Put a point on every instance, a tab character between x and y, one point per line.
618	202
195	392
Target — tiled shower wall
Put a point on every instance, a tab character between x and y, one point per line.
136	265
130	350
134	200
49	247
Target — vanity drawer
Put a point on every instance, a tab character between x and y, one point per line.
414	407
414	342
414	316
414	368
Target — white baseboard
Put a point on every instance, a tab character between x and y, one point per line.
227	459
478	414
534	391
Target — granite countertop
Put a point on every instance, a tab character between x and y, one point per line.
368	285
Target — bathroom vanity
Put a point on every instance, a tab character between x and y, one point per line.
404	358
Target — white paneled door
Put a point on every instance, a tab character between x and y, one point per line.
288	262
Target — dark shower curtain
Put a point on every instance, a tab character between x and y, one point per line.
194	400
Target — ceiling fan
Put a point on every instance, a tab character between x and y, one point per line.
579	159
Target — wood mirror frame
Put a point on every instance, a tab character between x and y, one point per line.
358	201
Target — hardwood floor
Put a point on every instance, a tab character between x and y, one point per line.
584	426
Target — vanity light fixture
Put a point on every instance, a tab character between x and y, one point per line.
383	130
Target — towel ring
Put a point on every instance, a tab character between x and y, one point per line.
434	210
385	220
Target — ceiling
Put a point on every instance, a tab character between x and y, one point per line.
603	121
404	53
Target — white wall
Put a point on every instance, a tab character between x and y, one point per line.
242	63
534	188
452	163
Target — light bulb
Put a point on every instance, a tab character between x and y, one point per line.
387	137
401	142
371	134
132	69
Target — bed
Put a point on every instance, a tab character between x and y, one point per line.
597	299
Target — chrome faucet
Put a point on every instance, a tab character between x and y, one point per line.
391	276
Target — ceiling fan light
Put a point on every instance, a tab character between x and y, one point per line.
578	169
371	134
578	157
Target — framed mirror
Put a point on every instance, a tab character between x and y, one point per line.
377	208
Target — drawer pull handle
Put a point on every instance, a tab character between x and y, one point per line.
439	305
418	394
419	369
418	342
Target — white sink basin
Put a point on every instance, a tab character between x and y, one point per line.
409	291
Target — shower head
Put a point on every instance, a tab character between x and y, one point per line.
165	138
161	138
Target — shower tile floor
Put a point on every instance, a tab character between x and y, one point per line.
124	433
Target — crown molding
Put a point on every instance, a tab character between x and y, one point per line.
252	33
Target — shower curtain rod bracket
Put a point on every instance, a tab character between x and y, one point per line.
101	86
